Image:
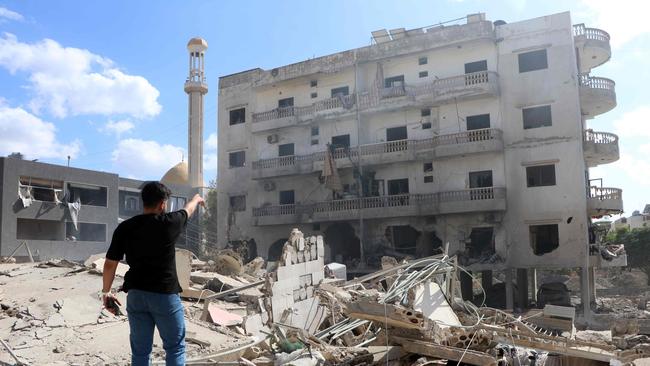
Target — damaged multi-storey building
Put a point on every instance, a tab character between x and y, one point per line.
469	136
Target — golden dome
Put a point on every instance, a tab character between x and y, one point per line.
197	41
177	175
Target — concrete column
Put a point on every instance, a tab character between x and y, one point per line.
585	295
510	301
522	288
533	284
592	284
466	286
486	280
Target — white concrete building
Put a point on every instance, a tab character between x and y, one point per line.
472	134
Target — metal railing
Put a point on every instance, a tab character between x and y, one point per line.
600	137
605	193
384	147
399	200
595	82
590	33
369	100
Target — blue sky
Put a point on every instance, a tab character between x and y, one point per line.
103	81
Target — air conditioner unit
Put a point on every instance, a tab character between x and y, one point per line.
269	186
272	139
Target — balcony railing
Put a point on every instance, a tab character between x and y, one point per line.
595	82
605	193
369	100
384	147
427	200
600	137
590	33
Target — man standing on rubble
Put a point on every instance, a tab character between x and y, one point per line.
151	282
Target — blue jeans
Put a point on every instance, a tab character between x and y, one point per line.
164	311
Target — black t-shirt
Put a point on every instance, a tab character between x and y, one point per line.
148	242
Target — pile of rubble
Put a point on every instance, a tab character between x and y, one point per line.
298	311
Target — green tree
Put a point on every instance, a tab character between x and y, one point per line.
209	223
637	247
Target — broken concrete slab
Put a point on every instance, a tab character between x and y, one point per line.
81	310
183	267
429	299
223	317
55	320
98	267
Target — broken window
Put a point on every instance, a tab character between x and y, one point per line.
130	202
287	197
396	133
314	95
85	232
342	91
237	116
313	83
544	238
426	125
394	81
285	149
533	60
428	179
341	141
46	190
540	175
423	60
478	121
314	142
475	66
481	242
35	229
343	243
237	159
285	103
423	74
175	203
398	186
238	203
404	238
425	112
427	167
536	117
88	194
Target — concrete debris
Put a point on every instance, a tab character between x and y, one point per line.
300	311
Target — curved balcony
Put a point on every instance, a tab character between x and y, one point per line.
442	146
402	205
600	148
604	201
597	95
460	87
592	45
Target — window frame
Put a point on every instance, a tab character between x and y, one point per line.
534	113
529	171
534	65
230	159
237	121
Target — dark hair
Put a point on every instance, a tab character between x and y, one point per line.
153	193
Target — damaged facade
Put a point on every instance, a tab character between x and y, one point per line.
473	135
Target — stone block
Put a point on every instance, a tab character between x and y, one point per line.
314	251
317	277
303	293
310	291
284	272
320	246
301	244
297	295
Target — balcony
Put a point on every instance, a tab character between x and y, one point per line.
442	146
604	201
461	87
600	148
403	205
597	95
592	45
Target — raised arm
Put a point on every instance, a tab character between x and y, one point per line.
190	207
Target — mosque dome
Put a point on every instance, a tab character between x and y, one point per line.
197	41
177	175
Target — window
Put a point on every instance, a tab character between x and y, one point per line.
342	91
427	167
394	81
534	60
314	142
428	179
398	186
175	203
476	66
238	203
237	159
481	242
426	125
481	179
341	141
85	232
478	121
313	83
285	150
315	226
132	204
315	130
88	194
46	190
423	74
423	60
544	238
536	117
396	133
314	95
285	103
425	112
237	116
34	229
541	175
287	197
